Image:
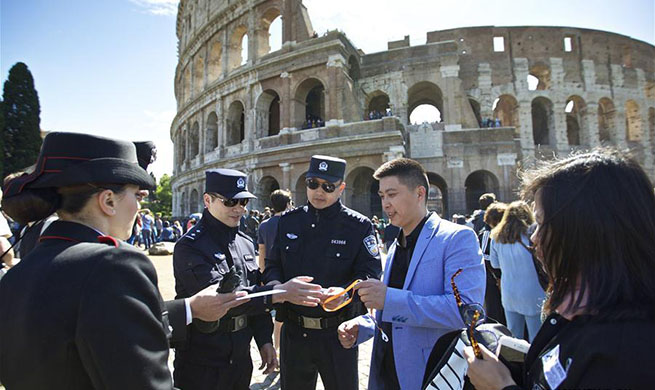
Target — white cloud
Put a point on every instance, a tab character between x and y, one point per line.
158	7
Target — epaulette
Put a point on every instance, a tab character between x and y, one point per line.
109	240
355	215
244	235
302	209
195	232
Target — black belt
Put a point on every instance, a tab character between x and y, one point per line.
317	322
233	324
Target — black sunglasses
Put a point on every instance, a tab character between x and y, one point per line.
314	184
232	202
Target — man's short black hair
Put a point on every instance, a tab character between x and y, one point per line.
280	200
486	199
409	172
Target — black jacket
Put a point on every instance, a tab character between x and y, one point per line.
591	354
202	257
335	245
82	312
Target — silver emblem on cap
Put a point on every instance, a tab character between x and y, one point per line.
241	183
323	166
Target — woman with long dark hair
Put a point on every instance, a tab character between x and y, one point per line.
596	238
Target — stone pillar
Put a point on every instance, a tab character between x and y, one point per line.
590	135
252	37
484	84
286	100
619	136
225	52
589	74
617	76
452	110
333	105
202	136
649	158
556	74
250	133
559	128
521	75
286	176
525	118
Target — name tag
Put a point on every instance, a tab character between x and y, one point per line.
338	242
553	370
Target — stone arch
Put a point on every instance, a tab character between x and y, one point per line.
310	102
235	123
186	81
574	110
475	106
542	121
478	183
194	202
215	60
194	140
378	101
363	192
198	73
268	113
506	109
235	55
353	68
265	188
269	19
181	145
606	120
300	193
633	125
437	194
425	93
184	204
211	135
541	72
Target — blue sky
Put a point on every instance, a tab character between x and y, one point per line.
107	67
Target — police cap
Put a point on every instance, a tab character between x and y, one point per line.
327	168
229	183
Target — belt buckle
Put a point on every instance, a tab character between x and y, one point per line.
311	323
240	322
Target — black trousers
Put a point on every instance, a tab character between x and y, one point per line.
492	301
304	353
233	376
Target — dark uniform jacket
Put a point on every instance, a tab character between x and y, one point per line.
82	312
202	257
586	353
335	245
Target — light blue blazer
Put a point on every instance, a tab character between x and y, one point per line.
425	309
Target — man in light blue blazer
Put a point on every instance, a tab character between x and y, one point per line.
414	302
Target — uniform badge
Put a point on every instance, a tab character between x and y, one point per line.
553	370
371	245
291	236
323	166
241	183
219	256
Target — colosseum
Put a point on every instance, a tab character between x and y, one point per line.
505	96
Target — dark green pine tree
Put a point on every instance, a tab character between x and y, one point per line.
2	138
21	134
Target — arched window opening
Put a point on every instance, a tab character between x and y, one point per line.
421	96
437	194
244	49
194	140
235	123
275	35
378	106
181	146
184	204
268	114
542	121
309	104
425	113
476	184
363	195
211	136
539	78
574	120
266	186
186	80
198	74
353	68
238	49
274	117
606	119
633	125
300	195
506	110
194	202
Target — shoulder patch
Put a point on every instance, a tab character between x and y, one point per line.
109	240
371	244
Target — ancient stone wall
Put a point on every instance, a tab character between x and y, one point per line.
548	90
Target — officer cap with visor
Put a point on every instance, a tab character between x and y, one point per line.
328	168
229	183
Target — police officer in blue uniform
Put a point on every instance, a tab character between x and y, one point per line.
215	252
334	245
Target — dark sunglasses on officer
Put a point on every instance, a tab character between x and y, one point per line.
230	202
328	187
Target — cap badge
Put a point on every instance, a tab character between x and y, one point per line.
241	183
323	166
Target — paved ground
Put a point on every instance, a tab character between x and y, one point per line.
164	267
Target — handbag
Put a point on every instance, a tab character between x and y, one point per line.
542	276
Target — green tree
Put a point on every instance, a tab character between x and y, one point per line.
21	133
2	142
161	200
